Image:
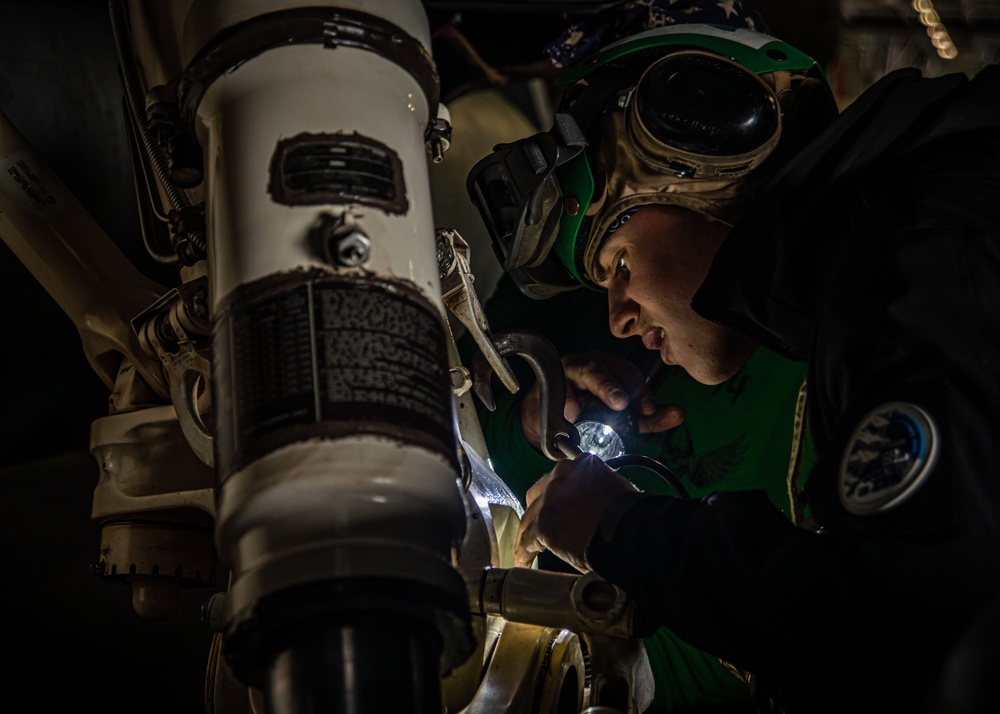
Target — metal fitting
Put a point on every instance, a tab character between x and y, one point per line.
350	249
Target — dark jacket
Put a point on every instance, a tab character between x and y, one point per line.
875	256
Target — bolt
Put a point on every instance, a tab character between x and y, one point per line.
198	304
352	248
437	147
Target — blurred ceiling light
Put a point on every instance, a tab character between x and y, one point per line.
935	29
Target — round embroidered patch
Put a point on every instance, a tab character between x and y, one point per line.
890	454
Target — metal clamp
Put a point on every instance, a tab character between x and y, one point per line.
460	297
559	437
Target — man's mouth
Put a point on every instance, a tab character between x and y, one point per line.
656	340
653	339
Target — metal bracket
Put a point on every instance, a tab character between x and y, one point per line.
460	296
172	329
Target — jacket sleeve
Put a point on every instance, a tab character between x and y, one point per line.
719	571
909	548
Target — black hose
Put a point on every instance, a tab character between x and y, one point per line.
140	170
647	462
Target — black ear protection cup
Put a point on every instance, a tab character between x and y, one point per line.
696	113
808	107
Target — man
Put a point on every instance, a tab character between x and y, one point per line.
867	245
740	434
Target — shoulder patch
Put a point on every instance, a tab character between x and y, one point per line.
891	453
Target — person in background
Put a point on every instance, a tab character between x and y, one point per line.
727	209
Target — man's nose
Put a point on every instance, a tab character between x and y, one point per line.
623	314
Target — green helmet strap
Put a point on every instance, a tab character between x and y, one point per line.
577	181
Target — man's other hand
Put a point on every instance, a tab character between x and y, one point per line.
564	508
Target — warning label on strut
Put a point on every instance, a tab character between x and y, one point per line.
329	357
20	180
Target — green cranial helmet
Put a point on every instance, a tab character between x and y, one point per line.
690	115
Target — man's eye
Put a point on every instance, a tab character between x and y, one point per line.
620	267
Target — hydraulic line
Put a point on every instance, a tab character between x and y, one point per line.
140	167
133	94
648	462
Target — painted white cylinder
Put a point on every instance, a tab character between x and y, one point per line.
302	495
300	89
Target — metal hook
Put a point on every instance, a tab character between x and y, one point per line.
559	437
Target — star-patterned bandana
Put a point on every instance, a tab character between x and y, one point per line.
590	34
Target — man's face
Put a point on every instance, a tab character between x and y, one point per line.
652	266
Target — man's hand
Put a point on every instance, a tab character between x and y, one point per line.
564	508
596	375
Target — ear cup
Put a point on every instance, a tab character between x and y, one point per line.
808	107
704	112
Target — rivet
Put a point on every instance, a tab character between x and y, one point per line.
571	205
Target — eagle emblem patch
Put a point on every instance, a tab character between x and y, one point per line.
890	454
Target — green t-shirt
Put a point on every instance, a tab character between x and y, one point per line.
737	435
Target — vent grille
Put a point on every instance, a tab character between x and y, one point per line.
311	169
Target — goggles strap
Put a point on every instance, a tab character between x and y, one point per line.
566	128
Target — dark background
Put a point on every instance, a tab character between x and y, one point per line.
70	640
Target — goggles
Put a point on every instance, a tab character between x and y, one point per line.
687	108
